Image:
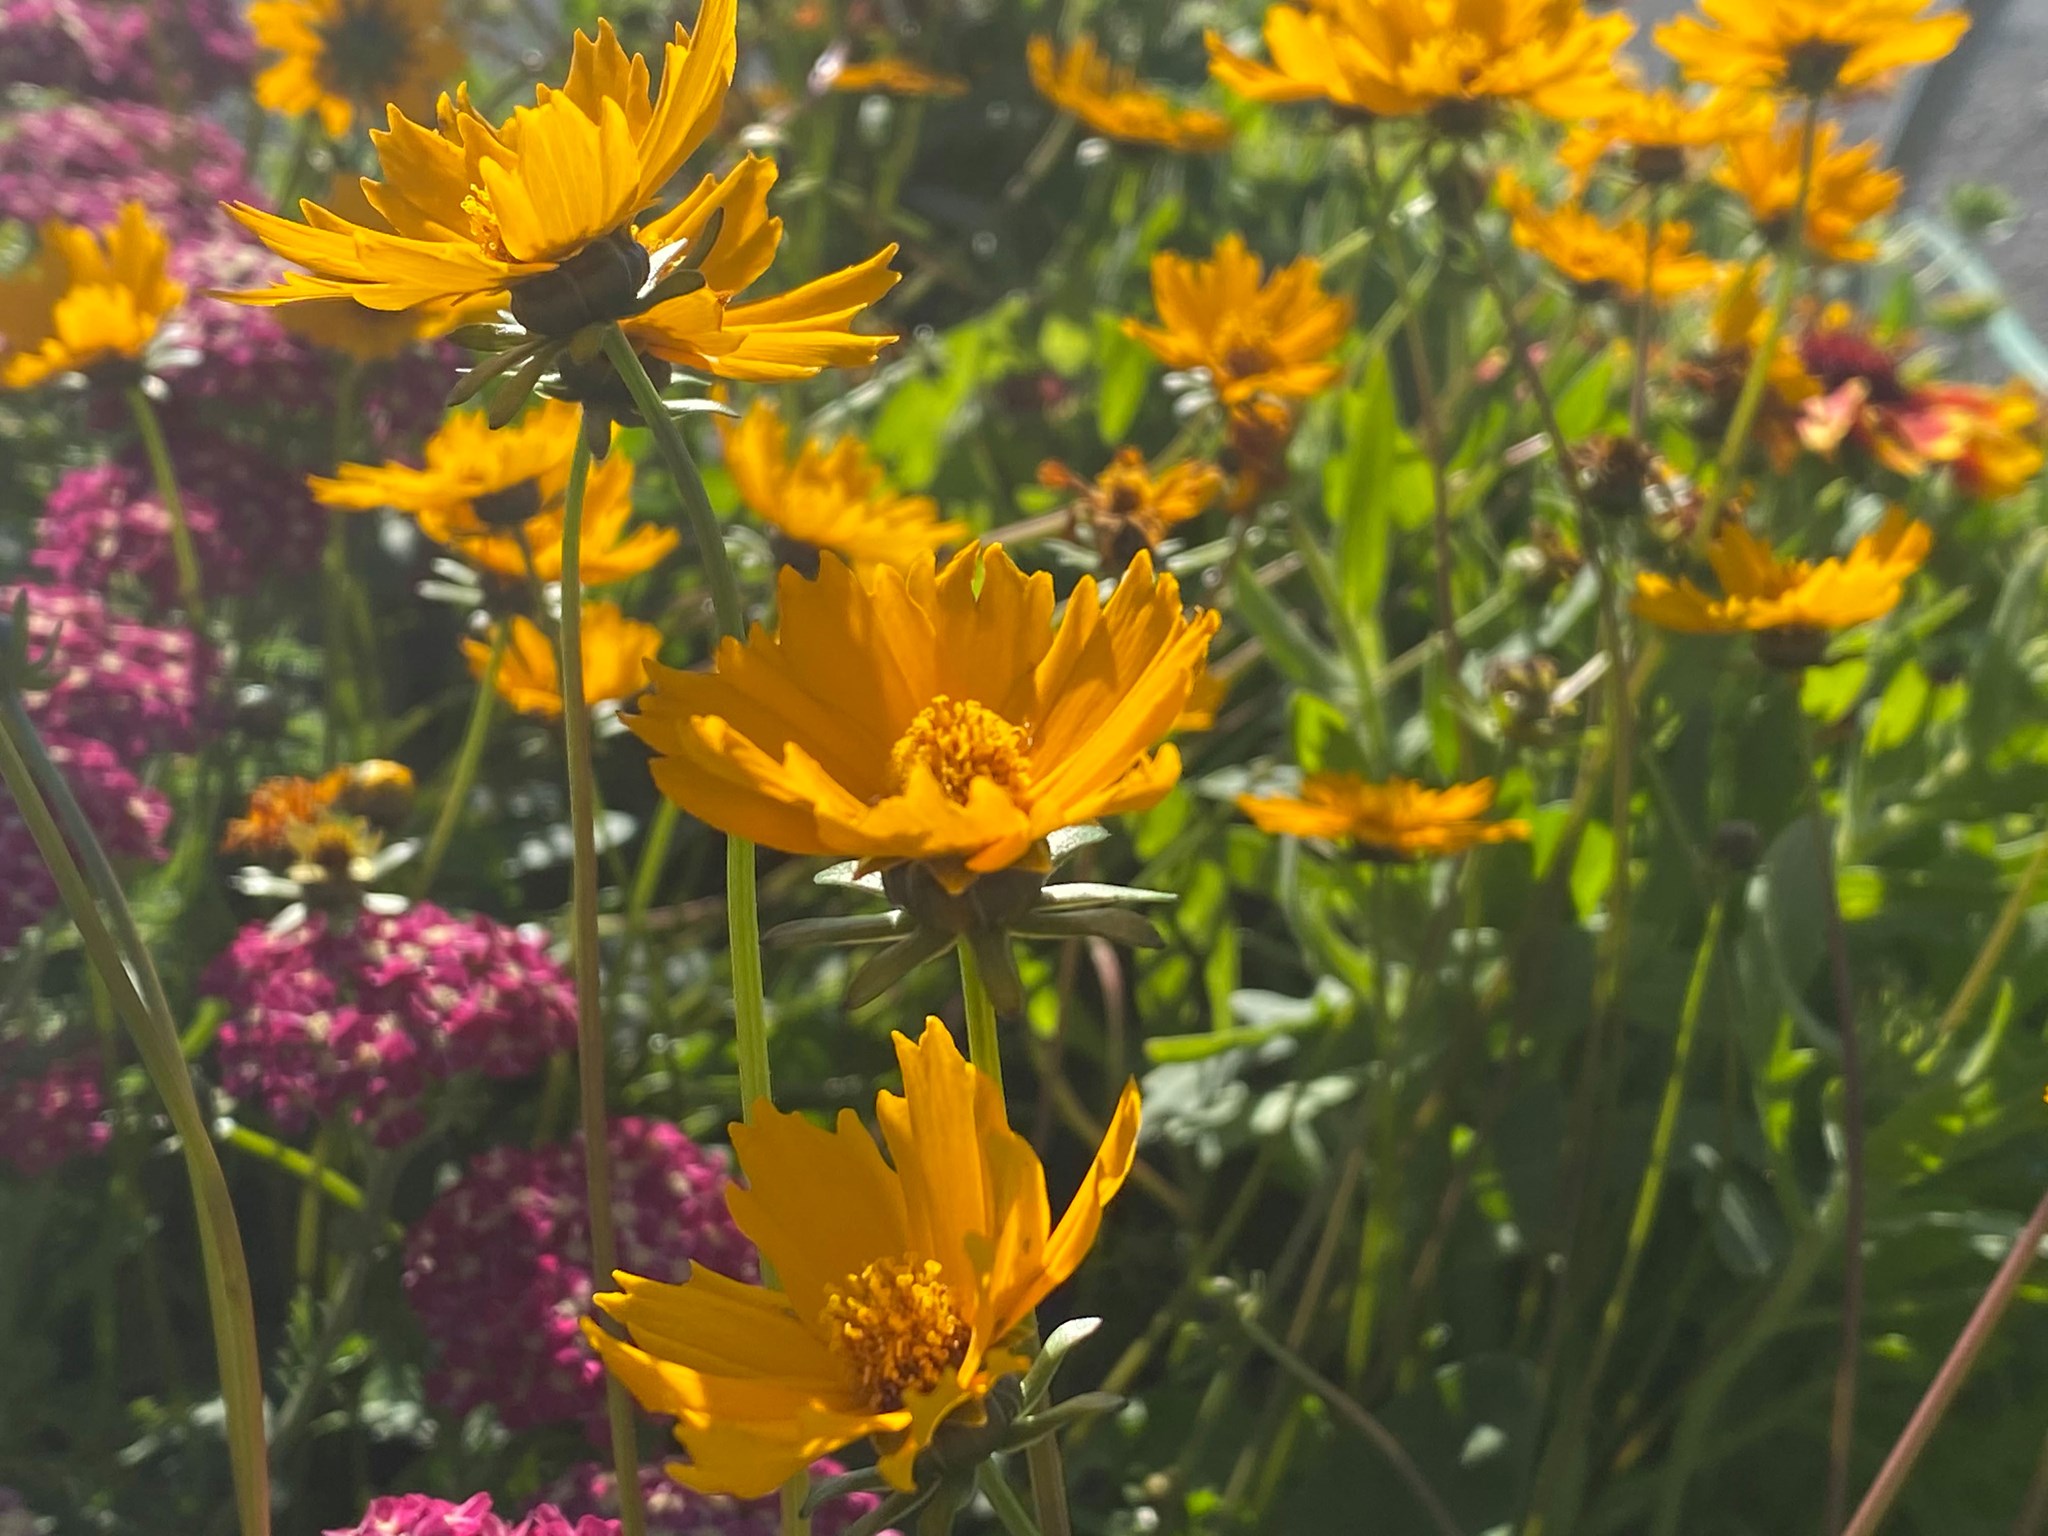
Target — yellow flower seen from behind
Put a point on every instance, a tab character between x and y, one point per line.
1605	260
893	77
86	298
344	59
903	1286
1395	820
834	498
1848	188
1659	132
1809	47
935	714
1109	99
1252	334
616	652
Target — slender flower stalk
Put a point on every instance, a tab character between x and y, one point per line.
1985	966
590	1030
468	758
1729	464
1646	320
131	981
159	452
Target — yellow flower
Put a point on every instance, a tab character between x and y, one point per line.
1659	131
1395	820
1110	100
903	1292
1451	60
894	77
284	814
924	715
1127	507
829	498
616	653
1603	259
86	298
343	325
1848	189
1253	335
344	57
1791	605
1810	47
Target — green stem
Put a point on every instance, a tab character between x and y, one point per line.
1358	652
590	1031
138	996
1002	1498
159	452
1729	463
1986	964
468	758
1646	321
335	1186
749	1005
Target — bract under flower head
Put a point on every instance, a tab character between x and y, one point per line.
87	298
1253	335
1454	61
1110	100
1848	188
832	498
1605	260
935	714
1395	820
344	58
1808	47
902	1287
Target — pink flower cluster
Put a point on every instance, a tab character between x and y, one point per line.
129	820
498	1270
418	1514
165	50
80	162
673	1510
250	520
52	1114
364	1013
138	688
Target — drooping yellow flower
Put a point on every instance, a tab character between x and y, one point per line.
1659	131
496	498
832	498
1792	606
1809	47
1848	188
344	58
1454	61
1602	259
1110	100
85	299
1127	507
893	77
903	1285
616	652
1396	820
899	715
1252	334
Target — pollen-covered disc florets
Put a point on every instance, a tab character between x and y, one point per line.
895	1324
958	741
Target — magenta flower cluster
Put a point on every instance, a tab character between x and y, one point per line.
169	51
498	1270
673	1510
139	688
418	1514
50	1114
80	162
361	1014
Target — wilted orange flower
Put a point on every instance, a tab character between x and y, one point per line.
616	652
342	58
1791	605
1659	131
1395	820
829	498
86	298
901	1288
283	812
1452	60
925	715
1127	507
1110	100
1602	259
1253	335
1810	47
1848	188
893	77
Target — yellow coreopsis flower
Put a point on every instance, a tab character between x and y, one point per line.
86	298
1809	47
936	714
832	498
1253	335
1847	191
1602	259
1394	821
892	77
616	653
903	1287
1452	61
1110	100
1127	507
342	58
1659	131
1791	606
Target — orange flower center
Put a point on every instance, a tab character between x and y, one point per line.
959	741
484	227
895	1325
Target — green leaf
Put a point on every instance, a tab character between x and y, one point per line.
1583	406
1900	710
1828	693
1126	367
1289	645
1066	345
